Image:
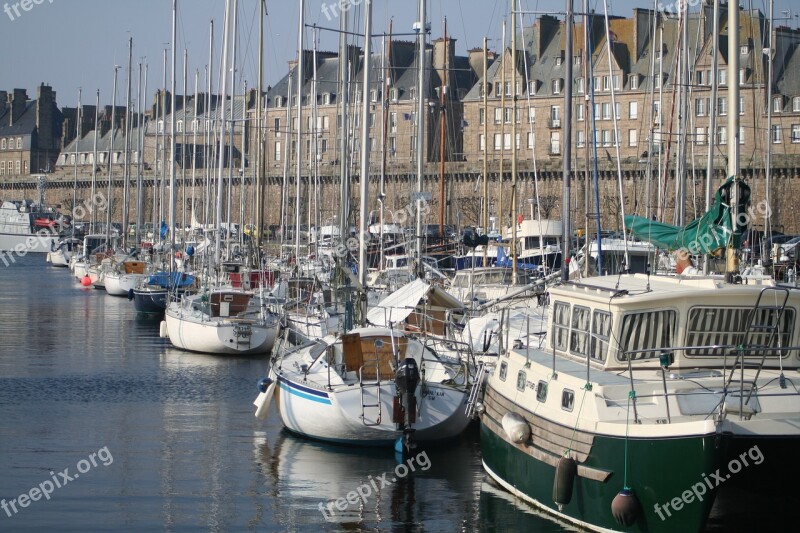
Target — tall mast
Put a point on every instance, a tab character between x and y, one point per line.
363	267
344	92
567	143
231	131
768	161
502	130
712	121
259	185
442	126
126	170
732	266
207	149
300	79
421	88
172	136
222	108
485	88
94	158
513	206
386	60
195	125
77	142
183	140
163	138
139	147
110	200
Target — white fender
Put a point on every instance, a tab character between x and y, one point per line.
516	427
263	400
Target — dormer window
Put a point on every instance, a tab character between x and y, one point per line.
279	101
744	49
742	76
558	61
557	86
326	98
633	82
393	94
777	105
373	96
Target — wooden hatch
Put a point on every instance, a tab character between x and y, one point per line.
372	355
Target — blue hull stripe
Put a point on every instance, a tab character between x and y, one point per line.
304	392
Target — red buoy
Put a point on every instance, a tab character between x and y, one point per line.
86	281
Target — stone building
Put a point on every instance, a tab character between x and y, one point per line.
30	132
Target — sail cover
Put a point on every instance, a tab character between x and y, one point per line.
706	235
414	296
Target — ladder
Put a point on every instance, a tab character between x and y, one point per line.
760	337
477	386
370	412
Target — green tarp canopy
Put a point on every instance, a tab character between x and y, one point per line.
706	235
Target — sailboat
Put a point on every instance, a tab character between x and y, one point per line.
650	395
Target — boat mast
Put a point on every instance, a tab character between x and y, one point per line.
126	169
77	142
513	207
110	201
94	158
386	59
442	126
732	264
421	87
231	131
712	121
183	140
344	92
363	267
259	184
207	149
768	161
172	138
485	88
163	140
139	148
221	152
299	154
567	142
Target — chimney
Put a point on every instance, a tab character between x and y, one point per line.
3	101
18	103
548	26
444	57
45	116
476	61
201	103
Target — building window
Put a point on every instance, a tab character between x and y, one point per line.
557	86
615	79
507	141
580	85
722	135
532	88
741	134
741	105
498	115
606	111
508	88
633	82
326	98
279	101
700	107
776	105
633	110
633	138
3	144
276	126
481	142
796	133
531	115
498	142
180	126
2	168
373	96
657	81
617	112
722	105
776	134
558	61
742	76
517	115
606	137
530	140
596	83
393	121
392	146
17	167
19	143
700	135
796	104
579	111
160	126
555	142
744	49
507	115
580	138
722	76
497	89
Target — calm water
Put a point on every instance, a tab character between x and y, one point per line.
175	441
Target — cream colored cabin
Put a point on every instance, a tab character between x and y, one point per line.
696	320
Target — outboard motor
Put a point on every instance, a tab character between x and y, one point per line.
406	380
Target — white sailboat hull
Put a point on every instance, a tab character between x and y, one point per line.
218	335
120	284
336	415
59	258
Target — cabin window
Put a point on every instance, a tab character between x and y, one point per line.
503	371
652	330
567	399
521	380
560	326
721	326
601	332
541	391
579	335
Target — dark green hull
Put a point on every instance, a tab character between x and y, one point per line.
659	471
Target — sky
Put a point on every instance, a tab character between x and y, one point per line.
72	44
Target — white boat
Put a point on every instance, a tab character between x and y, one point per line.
125	277
26	227
373	386
63	253
221	322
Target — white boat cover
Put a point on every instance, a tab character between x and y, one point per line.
401	303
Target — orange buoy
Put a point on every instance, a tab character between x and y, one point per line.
86	281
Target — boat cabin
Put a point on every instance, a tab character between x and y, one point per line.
613	322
